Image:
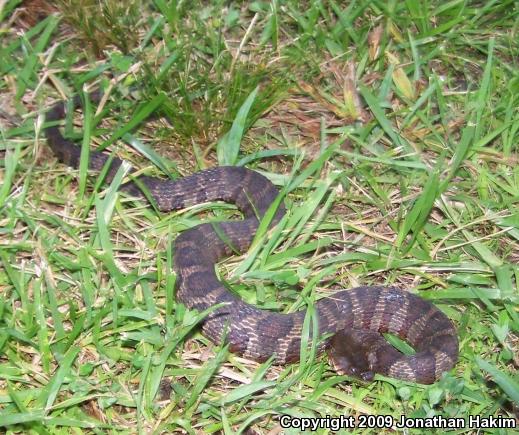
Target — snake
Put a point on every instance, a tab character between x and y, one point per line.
351	323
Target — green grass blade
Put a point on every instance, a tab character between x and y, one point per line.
143	112
50	393
381	118
246	390
506	382
228	147
85	146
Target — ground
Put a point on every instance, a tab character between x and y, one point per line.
392	125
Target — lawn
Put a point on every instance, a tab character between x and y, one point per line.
390	126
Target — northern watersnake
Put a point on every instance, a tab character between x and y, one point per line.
356	316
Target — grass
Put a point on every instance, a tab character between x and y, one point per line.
392	129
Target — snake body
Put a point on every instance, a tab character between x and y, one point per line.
356	317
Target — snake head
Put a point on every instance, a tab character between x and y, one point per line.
345	365
349	352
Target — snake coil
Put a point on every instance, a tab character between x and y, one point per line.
356	317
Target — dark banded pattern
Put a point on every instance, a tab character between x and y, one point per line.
357	316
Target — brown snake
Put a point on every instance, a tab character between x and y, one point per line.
356	316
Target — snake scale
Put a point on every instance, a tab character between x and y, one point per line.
356	317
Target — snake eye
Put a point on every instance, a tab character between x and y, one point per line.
356	371
367	376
